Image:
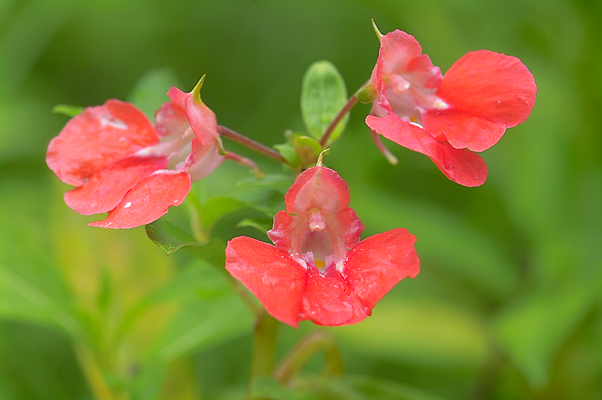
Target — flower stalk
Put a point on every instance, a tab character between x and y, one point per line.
304	350
264	346
346	108
251	144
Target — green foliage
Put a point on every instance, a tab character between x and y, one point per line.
150	90
70	111
322	97
352	387
171	239
300	151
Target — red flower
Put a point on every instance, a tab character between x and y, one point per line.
447	118
319	270
121	164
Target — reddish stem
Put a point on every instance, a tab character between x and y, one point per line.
250	143
346	108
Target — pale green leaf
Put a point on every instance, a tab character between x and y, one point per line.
323	95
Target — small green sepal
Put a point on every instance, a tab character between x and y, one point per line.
378	34
300	151
320	162
196	92
366	94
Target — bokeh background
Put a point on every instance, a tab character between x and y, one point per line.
508	302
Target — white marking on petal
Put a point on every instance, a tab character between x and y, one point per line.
340	266
128	204
112	122
439	104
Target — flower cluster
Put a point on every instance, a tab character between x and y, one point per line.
448	118
317	269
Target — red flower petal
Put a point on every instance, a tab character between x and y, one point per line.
464	130
270	274
328	301
106	188
202	120
148	201
178	97
320	188
96	138
171	120
203	159
489	85
379	262
459	165
399	49
421	71
285	230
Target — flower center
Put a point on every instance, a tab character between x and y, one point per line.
316	221
397	83
317	241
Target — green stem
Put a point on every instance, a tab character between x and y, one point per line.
250	143
264	351
240	290
94	375
264	347
305	349
342	112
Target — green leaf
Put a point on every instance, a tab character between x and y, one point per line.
40	298
279	182
301	151
268	388
171	239
350	387
265	195
150	91
358	387
289	153
323	95
308	149
209	314
444	239
203	323
532	330
31	285
413	331
261	224
306	141
218	207
70	111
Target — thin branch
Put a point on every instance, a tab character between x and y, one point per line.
346	108
296	359
250	143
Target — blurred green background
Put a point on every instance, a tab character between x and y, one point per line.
508	301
